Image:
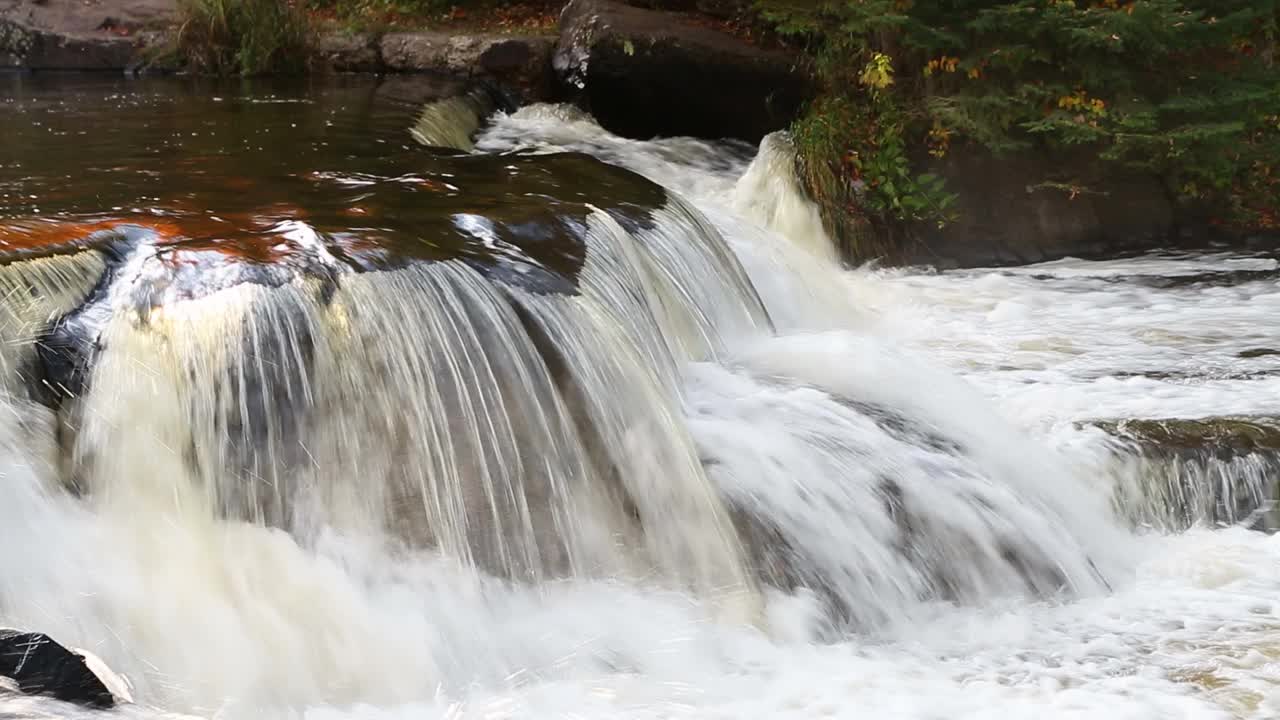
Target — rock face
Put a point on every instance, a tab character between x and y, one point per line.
349	52
70	35
645	73
519	63
40	666
522	63
1034	207
716	8
1010	211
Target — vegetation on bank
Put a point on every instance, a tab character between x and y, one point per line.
1186	89
254	37
243	37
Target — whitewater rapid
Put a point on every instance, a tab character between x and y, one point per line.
230	620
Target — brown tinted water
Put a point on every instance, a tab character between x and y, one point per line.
229	168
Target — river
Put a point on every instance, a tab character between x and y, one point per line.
1032	492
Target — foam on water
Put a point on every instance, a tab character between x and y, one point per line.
1098	339
961	387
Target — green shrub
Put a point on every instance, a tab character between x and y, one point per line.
1187	89
243	37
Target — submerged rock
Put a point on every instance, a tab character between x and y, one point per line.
37	665
644	73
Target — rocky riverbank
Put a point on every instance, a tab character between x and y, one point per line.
642	72
69	35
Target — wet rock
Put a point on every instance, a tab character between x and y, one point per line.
1176	473
546	222
778	562
26	48
523	63
349	52
68	35
645	73
519	62
1224	435
39	666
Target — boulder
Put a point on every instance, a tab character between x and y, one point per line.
646	73
522	63
349	52
37	665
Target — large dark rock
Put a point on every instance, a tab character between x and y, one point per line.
1023	209
646	73
40	666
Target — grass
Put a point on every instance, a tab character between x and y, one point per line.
243	37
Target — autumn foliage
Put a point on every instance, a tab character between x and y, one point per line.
1186	89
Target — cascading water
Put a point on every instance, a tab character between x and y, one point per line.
516	433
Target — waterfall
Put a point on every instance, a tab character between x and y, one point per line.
452	121
535	434
468	415
518	406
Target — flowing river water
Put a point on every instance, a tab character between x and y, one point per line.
304	418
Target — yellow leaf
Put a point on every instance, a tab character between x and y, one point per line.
878	73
